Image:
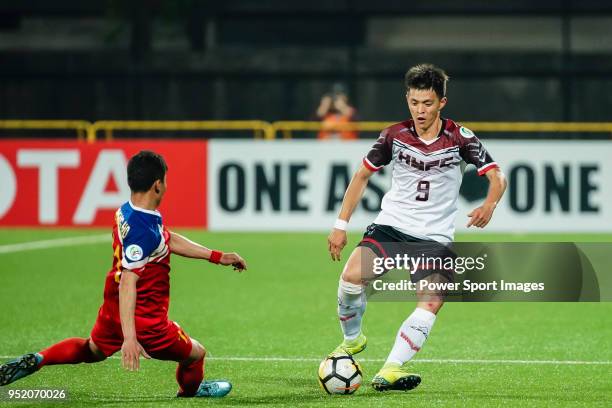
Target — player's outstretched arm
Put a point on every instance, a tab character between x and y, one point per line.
182	246
480	217
336	240
131	349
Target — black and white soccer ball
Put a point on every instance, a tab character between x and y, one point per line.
340	374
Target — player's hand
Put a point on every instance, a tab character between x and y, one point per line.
232	258
326	102
336	241
481	216
130	354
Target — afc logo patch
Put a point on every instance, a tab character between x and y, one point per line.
133	252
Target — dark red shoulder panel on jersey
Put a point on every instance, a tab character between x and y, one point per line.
472	150
381	152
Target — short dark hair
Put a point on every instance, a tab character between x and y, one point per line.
144	169
427	76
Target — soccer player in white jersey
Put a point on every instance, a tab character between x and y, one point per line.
421	206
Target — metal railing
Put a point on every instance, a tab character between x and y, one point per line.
260	128
81	127
561	127
285	129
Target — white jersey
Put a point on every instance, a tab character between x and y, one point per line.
422	201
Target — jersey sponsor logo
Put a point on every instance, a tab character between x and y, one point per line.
123	226
465	132
133	253
426	165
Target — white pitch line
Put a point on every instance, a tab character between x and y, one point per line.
378	360
54	243
423	360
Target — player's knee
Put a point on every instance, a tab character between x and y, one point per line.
355	279
97	353
198	352
351	274
431	306
358	270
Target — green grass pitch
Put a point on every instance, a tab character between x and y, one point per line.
267	329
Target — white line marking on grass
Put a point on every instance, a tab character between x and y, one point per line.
501	361
378	360
54	243
422	360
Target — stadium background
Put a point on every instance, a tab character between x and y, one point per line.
86	84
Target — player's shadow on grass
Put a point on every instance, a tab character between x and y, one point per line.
500	398
300	396
133	401
315	396
304	392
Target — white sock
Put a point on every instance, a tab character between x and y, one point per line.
411	336
351	306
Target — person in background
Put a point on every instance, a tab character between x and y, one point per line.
335	109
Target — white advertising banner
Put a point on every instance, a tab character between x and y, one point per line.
298	185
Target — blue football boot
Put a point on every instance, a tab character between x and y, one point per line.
215	388
19	368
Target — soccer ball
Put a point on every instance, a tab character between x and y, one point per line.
340	374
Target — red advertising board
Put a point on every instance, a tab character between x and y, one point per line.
70	183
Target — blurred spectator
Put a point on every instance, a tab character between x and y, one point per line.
335	109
